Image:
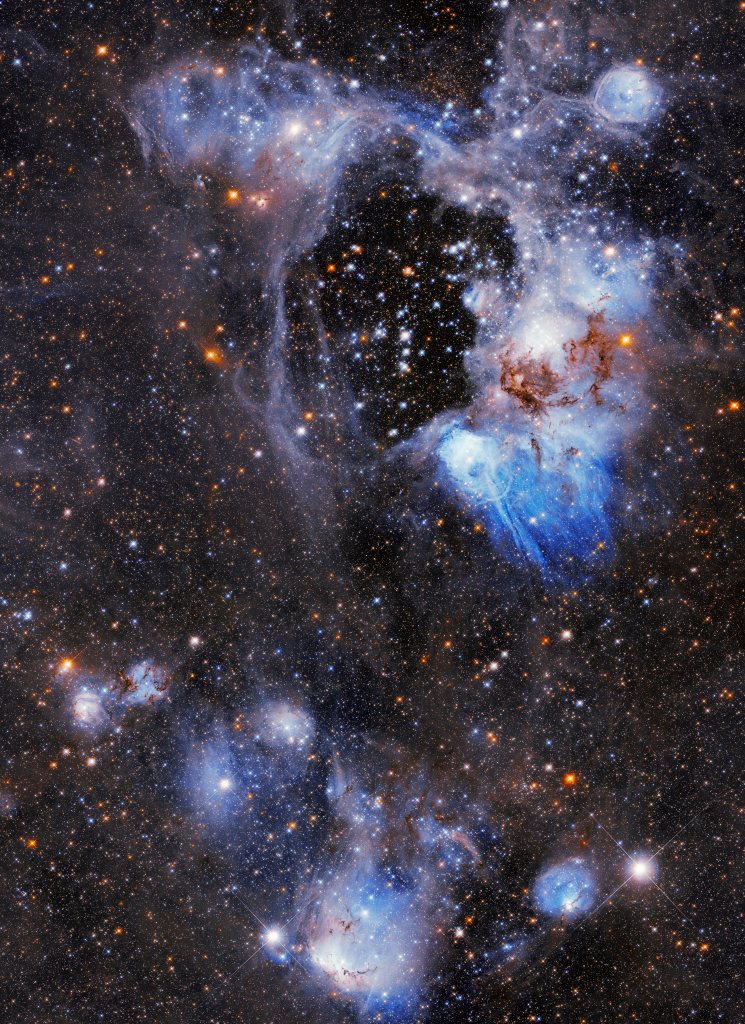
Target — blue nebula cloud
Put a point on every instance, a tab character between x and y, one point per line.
627	95
367	936
216	781
566	889
549	505
542	464
257	767
146	682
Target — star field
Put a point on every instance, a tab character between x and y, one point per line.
370	579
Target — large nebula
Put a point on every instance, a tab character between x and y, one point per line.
558	391
368	587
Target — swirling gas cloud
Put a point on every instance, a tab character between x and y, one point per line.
566	889
538	455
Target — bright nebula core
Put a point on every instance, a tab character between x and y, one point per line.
361	940
627	95
566	889
371	511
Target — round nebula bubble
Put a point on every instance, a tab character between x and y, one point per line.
88	709
627	95
565	889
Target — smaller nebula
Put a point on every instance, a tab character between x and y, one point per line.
365	937
627	95
281	725
565	889
88	709
144	683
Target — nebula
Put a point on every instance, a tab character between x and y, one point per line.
368	936
88	709
369	477
627	95
566	889
555	400
279	725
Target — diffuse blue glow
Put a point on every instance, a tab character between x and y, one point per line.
543	509
281	132
367	936
216	781
627	95
545	480
566	889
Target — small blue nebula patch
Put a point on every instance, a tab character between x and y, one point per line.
565	889
145	683
542	502
627	95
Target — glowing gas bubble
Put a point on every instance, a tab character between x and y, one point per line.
627	95
281	725
565	889
543	502
363	942
88	708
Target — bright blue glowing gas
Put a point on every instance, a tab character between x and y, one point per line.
615	281
146	682
565	889
367	938
544	502
627	95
